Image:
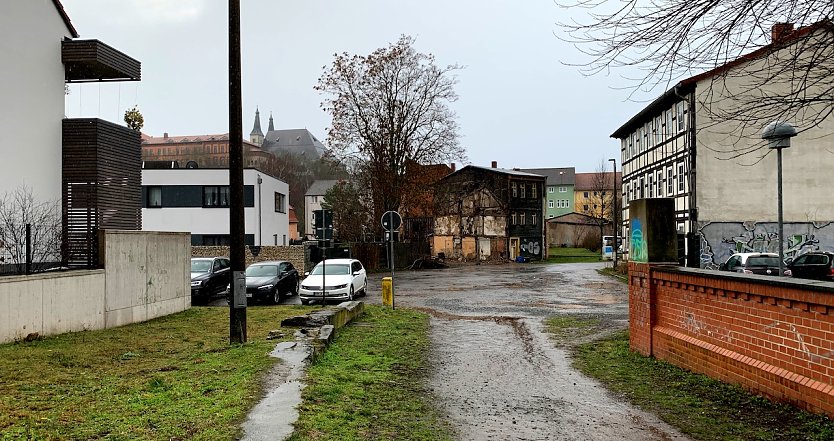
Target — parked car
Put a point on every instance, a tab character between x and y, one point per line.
209	276
817	265
270	281
344	279
752	263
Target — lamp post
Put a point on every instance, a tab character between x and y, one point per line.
778	135
616	225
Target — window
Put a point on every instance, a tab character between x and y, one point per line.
681	116
642	187
515	190
280	203
637	145
534	219
651	185
563	189
513	219
670	187
585	194
216	196
585	208
522	219
680	178
534	191
155	197
551	189
660	183
523	190
550	204
656	130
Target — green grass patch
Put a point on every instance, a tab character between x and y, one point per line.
572	255
370	383
172	378
699	406
566	329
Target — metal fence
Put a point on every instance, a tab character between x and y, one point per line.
28	249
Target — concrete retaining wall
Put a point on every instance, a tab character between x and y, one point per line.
770	335
146	275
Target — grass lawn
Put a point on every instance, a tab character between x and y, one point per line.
572	255
370	383
699	406
172	378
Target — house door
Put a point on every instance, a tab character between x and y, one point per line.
514	248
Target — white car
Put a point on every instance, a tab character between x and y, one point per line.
343	280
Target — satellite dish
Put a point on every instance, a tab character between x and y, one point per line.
191	164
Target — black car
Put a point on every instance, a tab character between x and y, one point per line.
817	265
752	263
271	281
209	276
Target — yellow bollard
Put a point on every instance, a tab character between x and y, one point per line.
388	292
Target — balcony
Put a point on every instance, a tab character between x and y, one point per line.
92	60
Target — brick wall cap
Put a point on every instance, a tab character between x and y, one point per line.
785	282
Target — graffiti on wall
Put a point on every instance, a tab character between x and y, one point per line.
638	246
531	247
719	240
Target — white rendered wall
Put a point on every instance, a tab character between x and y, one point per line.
198	220
745	188
32	97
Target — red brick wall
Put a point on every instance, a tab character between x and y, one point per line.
772	336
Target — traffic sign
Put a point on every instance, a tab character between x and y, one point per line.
391	220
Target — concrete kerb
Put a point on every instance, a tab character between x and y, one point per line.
273	417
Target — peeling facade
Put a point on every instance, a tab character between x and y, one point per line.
490	214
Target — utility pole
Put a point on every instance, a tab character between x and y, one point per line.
237	250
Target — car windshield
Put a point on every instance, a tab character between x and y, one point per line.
335	270
200	266
763	261
262	271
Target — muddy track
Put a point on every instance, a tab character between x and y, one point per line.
498	375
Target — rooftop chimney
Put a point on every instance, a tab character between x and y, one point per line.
165	135
453	166
494	164
780	32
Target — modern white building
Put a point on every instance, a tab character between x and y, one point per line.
32	92
197	200
720	175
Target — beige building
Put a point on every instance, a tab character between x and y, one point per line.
720	173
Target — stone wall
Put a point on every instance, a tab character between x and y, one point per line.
291	253
773	336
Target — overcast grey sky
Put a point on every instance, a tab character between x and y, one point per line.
519	105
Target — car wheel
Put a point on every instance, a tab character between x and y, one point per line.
297	287
350	294
276	296
305	302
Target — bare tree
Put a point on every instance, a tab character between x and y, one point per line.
599	204
349	214
19	208
669	40
390	108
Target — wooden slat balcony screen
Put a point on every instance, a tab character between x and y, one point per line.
92	60
101	185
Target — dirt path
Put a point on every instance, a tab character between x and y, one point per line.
496	372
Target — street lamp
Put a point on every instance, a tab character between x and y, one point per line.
616	226
778	135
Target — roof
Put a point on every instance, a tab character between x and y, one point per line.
159	140
555	176
320	187
513	172
299	141
587	181
688	85
257	129
66	18
574	219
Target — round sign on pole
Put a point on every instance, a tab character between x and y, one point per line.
391	220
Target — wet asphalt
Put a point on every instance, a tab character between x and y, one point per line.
497	374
